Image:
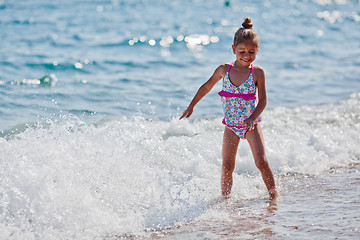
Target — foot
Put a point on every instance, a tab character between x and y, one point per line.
273	194
226	196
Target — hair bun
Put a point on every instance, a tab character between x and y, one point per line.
247	23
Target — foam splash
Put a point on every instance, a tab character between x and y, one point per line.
69	179
312	139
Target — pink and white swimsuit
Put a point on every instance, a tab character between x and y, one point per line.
239	103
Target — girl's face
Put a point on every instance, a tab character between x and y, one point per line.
245	53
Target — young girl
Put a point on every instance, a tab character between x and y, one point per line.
241	79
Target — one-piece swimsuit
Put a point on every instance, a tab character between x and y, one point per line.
238	102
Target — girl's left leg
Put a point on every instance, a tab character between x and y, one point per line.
256	141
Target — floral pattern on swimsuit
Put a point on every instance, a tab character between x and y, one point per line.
238	102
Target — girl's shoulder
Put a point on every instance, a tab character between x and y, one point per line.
257	68
258	71
223	68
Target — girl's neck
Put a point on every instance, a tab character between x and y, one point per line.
240	66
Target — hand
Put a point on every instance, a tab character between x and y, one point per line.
187	113
249	123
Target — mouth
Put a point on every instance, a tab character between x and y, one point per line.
246	60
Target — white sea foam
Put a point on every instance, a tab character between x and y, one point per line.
69	179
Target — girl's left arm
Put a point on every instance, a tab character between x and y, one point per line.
259	79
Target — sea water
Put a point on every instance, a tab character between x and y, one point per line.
91	146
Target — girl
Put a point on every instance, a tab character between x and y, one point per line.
241	80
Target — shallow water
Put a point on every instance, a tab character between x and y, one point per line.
309	208
90	144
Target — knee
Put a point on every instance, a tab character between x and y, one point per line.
228	166
262	163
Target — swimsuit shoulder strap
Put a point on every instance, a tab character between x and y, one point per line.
252	68
231	64
227	73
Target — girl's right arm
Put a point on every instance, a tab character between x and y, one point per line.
205	88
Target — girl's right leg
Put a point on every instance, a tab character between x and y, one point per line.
229	149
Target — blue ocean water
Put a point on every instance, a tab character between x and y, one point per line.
128	58
90	144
